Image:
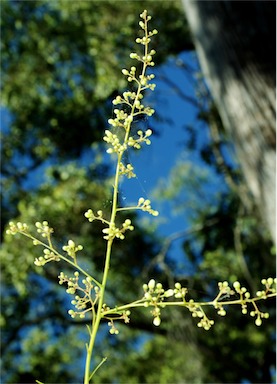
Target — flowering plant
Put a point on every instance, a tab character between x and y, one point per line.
89	293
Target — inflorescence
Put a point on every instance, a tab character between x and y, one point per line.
87	292
155	295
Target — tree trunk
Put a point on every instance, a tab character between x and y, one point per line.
235	43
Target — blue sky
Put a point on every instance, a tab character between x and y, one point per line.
155	162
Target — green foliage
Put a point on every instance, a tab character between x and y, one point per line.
54	337
155	353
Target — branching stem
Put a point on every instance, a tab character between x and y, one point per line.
115	209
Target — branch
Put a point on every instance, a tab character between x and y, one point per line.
160	257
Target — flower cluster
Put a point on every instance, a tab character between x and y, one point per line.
259	315
84	303
154	295
71	248
127	170
245	298
131	102
16	228
135	142
270	287
113	329
225	292
112	231
145	205
113	315
142	137
46	258
90	215
197	311
143	80
43	229
116	145
180	292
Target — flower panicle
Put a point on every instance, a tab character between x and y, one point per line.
130	104
85	293
155	296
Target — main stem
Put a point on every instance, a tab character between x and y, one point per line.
97	320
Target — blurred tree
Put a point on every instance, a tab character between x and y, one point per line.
236	44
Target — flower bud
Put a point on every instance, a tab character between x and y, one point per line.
151	284
157	321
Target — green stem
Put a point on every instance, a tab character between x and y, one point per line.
73	263
141	303
98	366
99	315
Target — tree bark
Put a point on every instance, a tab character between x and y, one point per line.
235	42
